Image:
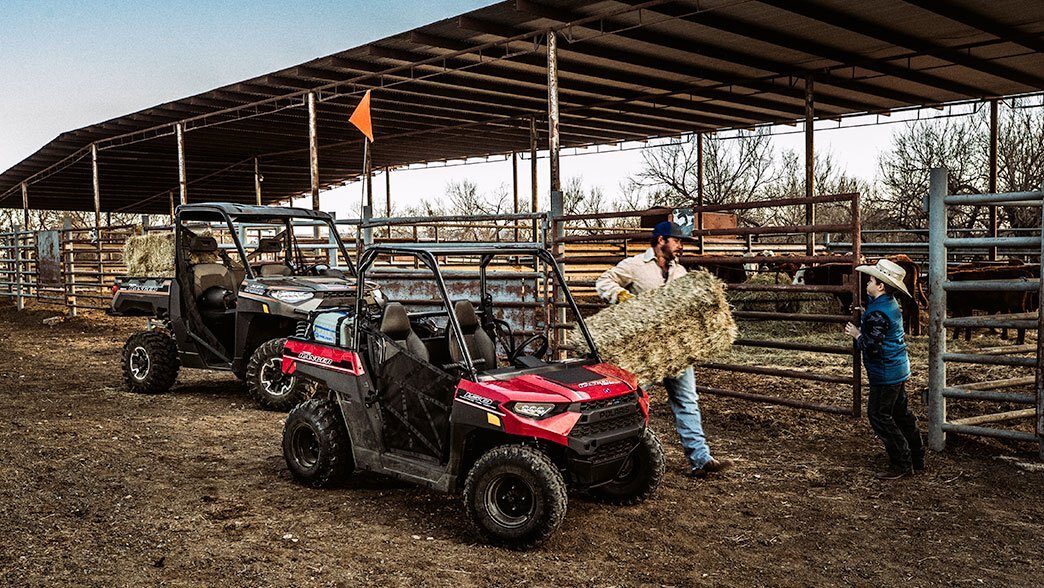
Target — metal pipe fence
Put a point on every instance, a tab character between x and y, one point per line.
1004	391
585	256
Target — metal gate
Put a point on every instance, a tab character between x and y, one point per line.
941	247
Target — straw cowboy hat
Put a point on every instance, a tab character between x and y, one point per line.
888	272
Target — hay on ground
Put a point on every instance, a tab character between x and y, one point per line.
661	332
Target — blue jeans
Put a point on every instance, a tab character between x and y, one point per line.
685	404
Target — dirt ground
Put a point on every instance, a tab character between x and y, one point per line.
101	487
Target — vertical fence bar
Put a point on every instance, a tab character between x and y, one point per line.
937	229
16	242
857	296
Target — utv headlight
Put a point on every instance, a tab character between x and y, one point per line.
533	410
292	296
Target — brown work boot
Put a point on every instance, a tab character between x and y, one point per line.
894	473
713	466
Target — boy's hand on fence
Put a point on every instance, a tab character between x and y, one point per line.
623	297
852	331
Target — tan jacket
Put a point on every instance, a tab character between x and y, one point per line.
636	275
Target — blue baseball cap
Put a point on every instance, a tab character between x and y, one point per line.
669	229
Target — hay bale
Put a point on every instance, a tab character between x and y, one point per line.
151	254
663	331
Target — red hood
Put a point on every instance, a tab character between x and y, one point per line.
560	386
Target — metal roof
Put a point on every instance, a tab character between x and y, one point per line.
469	85
245	211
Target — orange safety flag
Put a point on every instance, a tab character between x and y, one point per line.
361	117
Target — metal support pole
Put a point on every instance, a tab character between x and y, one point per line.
557	200
535	202
368	168
1040	348
857	295
257	181
25	206
810	163
97	187
700	245
387	197
514	188
936	308
313	150
171	196
182	173
994	143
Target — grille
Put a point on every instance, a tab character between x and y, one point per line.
607	415
613	451
302	330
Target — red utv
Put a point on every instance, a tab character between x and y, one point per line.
466	399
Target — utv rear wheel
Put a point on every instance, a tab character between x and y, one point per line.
316	445
639	476
150	362
515	497
268	385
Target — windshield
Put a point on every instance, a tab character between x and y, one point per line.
293	246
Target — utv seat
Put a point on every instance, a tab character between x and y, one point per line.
396	325
274	269
271	245
208	275
478	343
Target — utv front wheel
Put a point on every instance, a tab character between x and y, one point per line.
316	445
515	497
268	385
639	476
150	362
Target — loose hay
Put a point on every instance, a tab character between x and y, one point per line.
151	254
663	331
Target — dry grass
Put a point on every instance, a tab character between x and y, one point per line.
663	331
151	254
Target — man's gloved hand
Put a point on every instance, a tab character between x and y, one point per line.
623	297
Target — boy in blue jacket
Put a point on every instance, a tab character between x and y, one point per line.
880	337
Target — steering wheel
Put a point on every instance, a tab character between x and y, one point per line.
539	353
315	269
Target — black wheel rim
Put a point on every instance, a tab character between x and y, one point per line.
304	445
510	500
274	382
139	363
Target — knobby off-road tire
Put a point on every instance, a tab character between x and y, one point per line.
515	496
150	362
639	477
316	445
266	382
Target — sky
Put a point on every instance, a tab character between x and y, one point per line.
69	64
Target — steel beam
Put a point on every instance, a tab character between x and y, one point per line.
535	194
257	181
313	151
182	174
699	193
994	141
936	308
25	206
810	163
96	183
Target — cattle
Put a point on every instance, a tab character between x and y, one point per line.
839	274
965	303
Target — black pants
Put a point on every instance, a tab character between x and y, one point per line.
891	419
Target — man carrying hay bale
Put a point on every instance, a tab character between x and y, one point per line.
649	271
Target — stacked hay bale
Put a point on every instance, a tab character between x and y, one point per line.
661	332
151	254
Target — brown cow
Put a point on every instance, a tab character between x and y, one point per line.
965	303
838	274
